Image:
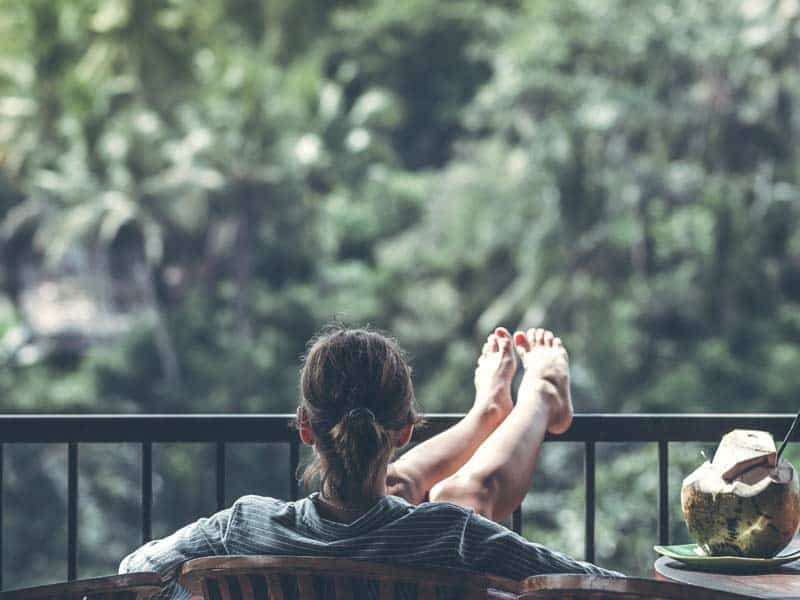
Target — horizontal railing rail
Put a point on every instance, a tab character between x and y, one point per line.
276	427
146	430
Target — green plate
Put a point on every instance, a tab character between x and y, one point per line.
694	555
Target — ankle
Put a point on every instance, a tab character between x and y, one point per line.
545	395
491	414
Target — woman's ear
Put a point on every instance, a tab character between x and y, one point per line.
304	427
404	435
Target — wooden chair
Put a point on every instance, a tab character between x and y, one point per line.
132	586
591	587
313	578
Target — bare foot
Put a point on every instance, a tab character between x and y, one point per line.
546	374
493	375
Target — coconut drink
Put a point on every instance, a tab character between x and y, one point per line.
744	502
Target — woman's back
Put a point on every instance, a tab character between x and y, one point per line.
433	535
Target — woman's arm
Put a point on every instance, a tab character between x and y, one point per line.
205	537
418	470
490	548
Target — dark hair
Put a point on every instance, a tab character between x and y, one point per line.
355	387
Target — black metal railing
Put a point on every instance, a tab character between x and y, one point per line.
590	429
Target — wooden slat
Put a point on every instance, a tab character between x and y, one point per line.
260	586
275	588
247	588
387	589
206	591
344	588
305	586
426	591
222	585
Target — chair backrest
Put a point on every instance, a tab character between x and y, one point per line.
313	578
592	587
132	586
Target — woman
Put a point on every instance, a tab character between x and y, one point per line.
437	505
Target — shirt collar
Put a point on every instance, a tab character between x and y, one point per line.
387	509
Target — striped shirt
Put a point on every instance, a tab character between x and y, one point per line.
432	534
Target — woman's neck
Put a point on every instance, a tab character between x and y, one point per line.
343	513
359	499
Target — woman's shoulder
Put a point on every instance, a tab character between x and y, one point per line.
253	505
442	508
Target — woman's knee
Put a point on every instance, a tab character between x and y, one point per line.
470	491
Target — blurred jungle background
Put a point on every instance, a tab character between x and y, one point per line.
189	190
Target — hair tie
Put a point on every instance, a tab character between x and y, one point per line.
360	413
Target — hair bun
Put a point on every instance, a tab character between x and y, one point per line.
360	413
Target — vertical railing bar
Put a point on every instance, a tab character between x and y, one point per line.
2	448
220	475
147	492
516	520
663	493
590	507
72	511
294	463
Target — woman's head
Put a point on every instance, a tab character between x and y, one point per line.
356	402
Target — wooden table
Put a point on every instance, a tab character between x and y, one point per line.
783	582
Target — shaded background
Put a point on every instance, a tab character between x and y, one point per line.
188	191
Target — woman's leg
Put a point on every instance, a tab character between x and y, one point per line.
495	480
418	470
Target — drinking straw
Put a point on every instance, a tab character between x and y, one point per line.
788	435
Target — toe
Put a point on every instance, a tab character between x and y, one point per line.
548	338
521	342
505	344
493	344
502	332
535	336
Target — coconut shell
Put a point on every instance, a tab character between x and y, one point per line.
756	514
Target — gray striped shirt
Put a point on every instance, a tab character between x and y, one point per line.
432	534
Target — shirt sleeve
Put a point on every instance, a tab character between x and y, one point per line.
490	548
204	537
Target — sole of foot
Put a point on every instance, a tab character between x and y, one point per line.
546	364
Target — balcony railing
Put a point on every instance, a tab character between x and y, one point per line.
590	429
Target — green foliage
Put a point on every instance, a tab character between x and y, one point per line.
624	172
